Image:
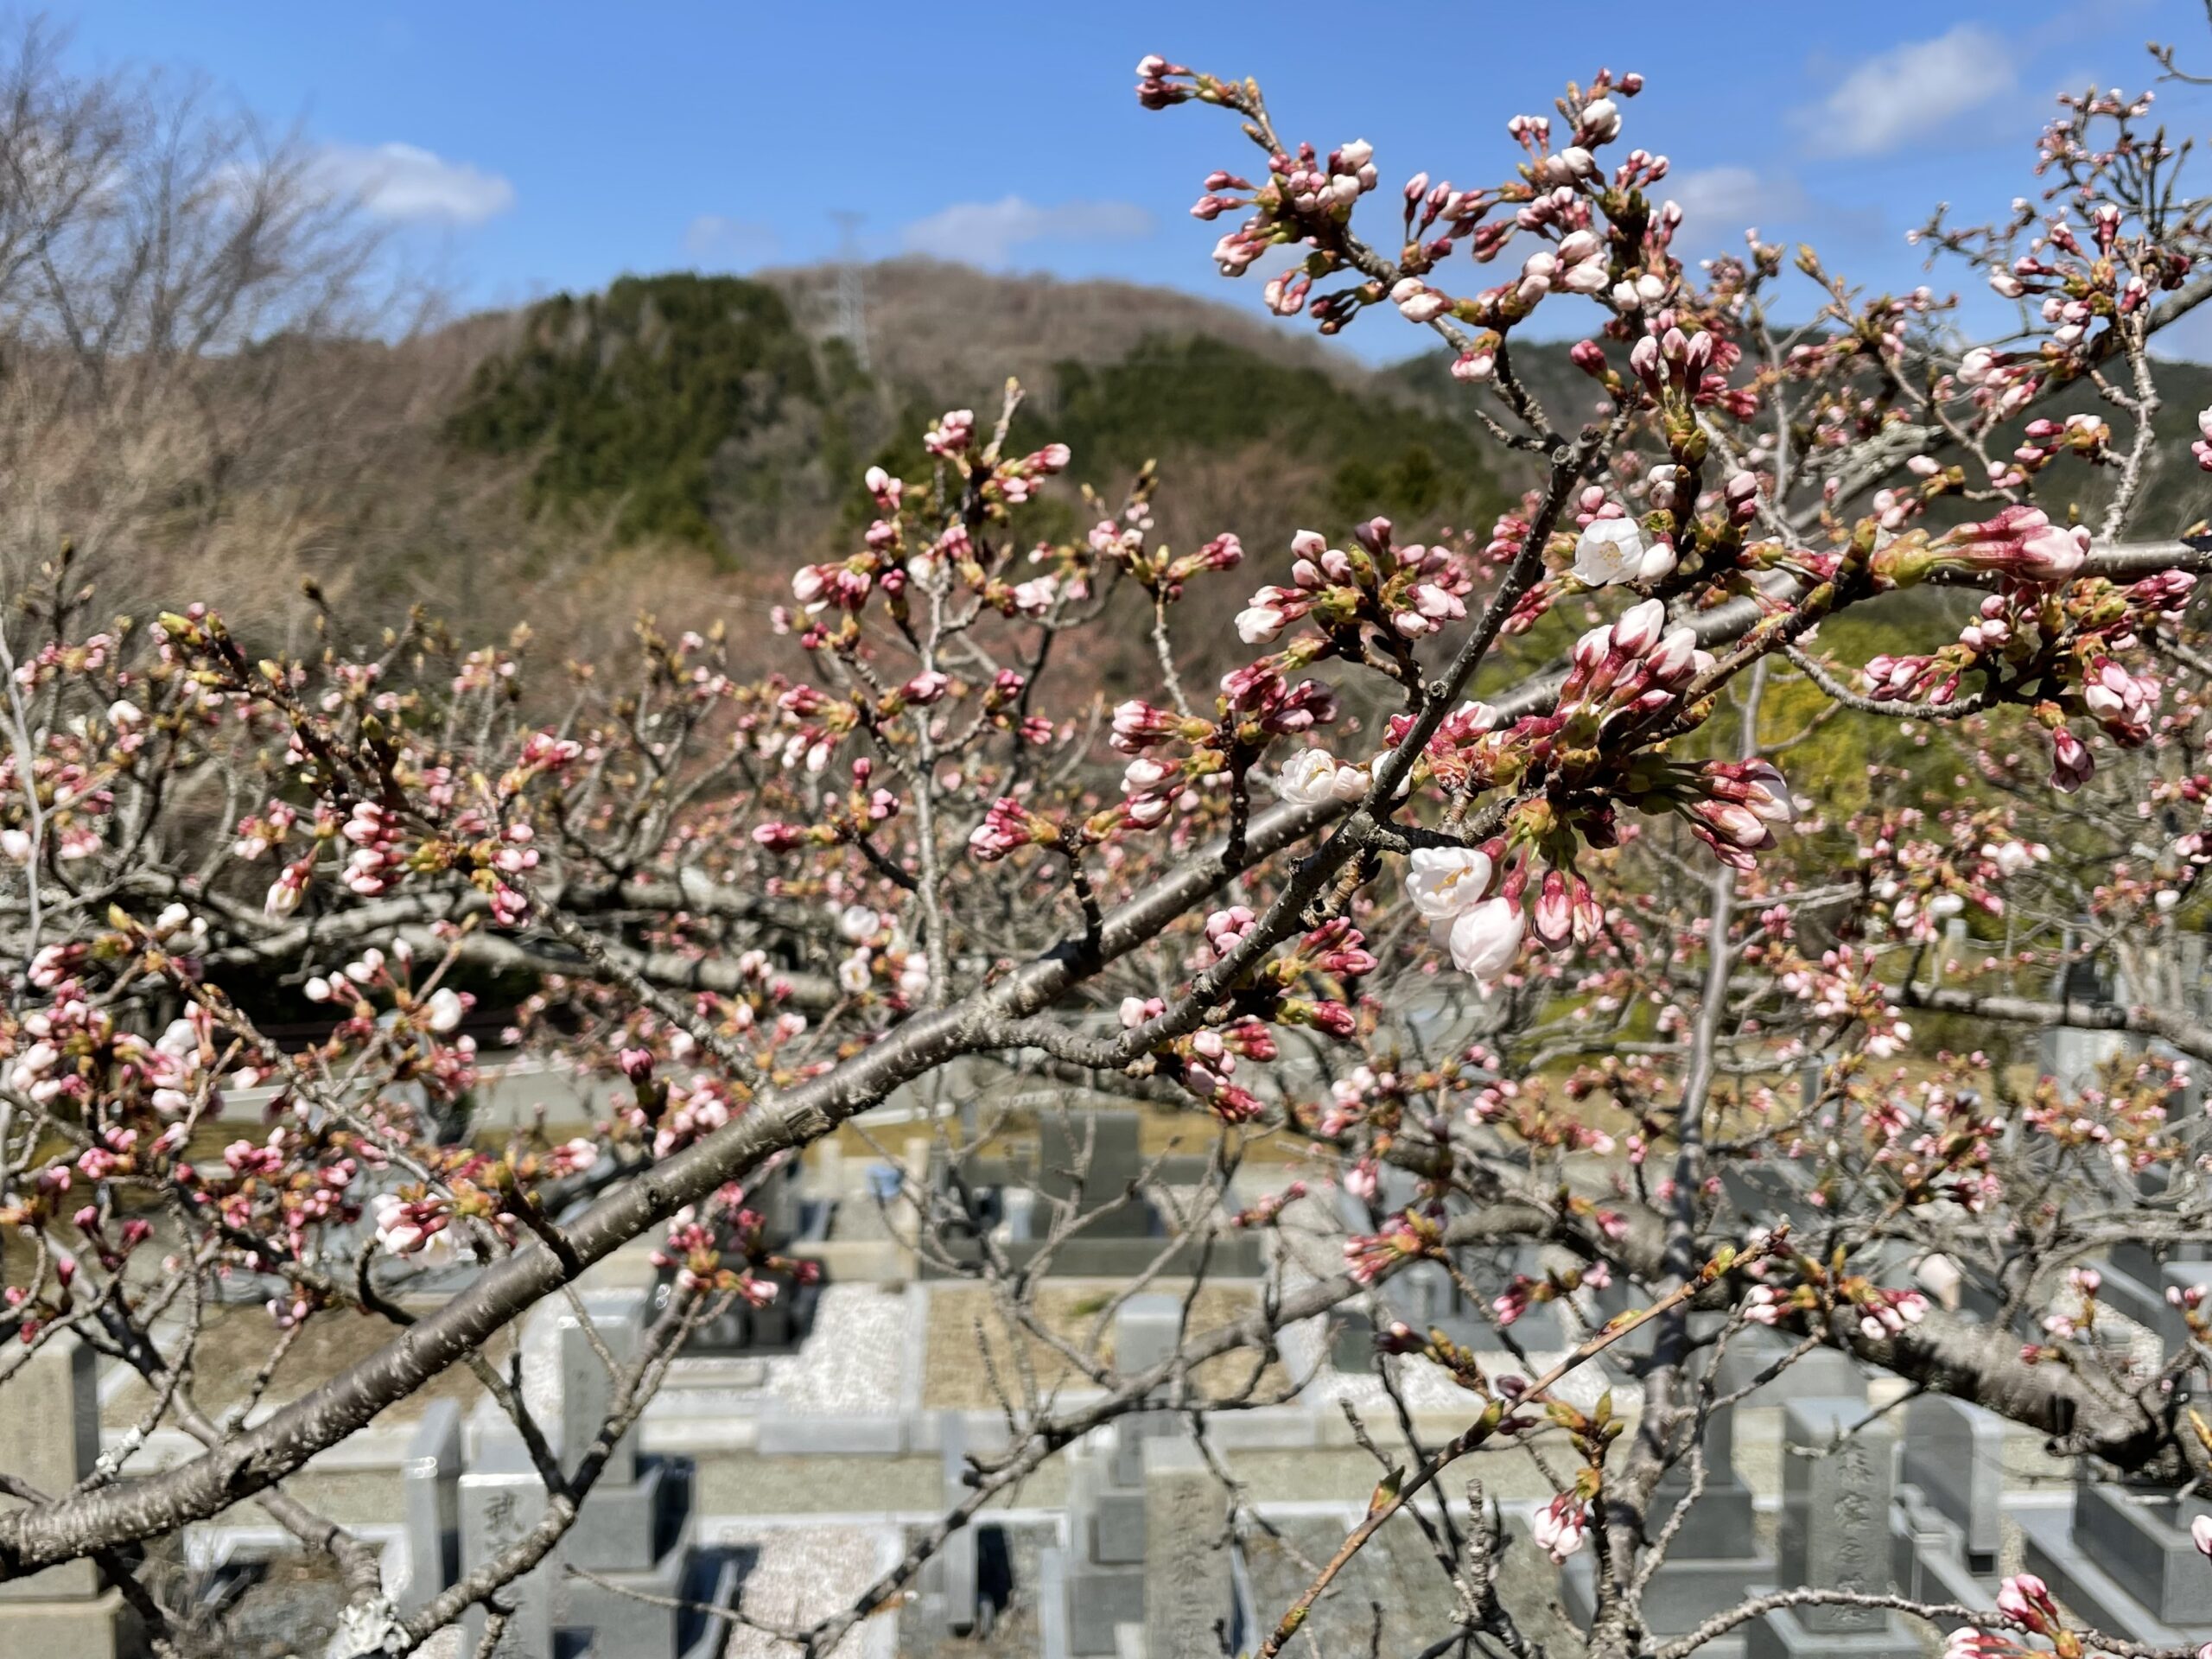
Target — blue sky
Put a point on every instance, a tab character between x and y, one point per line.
522	150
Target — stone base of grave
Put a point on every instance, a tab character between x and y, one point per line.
1929	1560
96	1628
2047	1550
1681	1596
1782	1635
624	1625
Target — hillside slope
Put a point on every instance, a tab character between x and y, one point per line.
724	415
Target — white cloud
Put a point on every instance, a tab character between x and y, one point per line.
1909	91
1720	203
987	233
405	182
733	241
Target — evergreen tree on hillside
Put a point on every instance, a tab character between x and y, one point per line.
629	395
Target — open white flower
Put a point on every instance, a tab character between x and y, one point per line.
1317	777
1486	940
1444	882
1610	550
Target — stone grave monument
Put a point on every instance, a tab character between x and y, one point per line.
2136	1277
790	1219
2072	1054
1103	1573
1426	1297
1715	1552
50	1440
1836	1488
634	1531
2124	1560
429	1483
1086	1162
1190	1576
1948	1525
968	1583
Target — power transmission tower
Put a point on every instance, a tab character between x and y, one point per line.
852	300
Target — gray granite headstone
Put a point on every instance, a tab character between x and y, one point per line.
1104	1572
1190	1593
1090	1159
586	1387
1954	1455
1836	1488
955	1563
496	1508
2143	1539
1834	1505
1147	1330
431	1499
2124	1562
50	1440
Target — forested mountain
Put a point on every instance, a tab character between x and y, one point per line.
722	414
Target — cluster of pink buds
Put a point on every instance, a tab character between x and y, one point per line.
1741	803
2020	543
1226	929
376	858
1562	1525
952	432
1139	726
2087	437
1018	480
416	1227
1768	1305
1408	1237
2123	703
1209	1060
843	586
1675	362
258	833
1890	1312
1304	194
1009	824
2026	1599
1259	700
1634	665
1999	383
1315	568
1525	1293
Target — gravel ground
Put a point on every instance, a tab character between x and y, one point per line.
853	1359
801	1574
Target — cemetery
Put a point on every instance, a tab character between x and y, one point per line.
797	1450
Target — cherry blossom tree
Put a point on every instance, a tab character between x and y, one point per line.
1561	867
